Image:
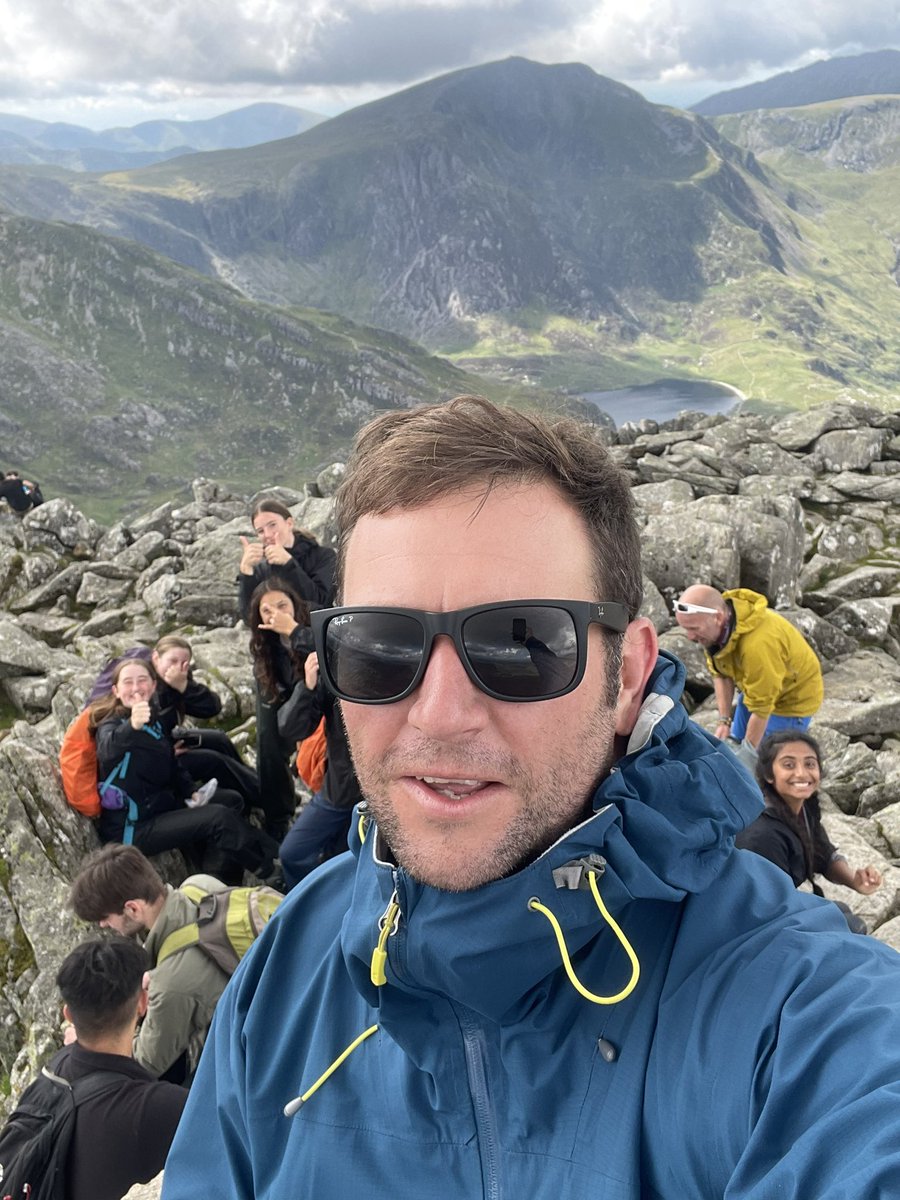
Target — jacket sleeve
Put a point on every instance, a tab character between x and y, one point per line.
200	701
300	713
782	1046
166	1029
211	1155
316	574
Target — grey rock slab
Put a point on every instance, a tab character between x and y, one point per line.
862	695
850	449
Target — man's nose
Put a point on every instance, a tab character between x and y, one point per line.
447	705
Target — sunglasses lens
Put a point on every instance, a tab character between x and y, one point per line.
373	655
522	653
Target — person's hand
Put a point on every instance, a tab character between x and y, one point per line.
252	554
176	676
140	714
281	622
866	880
311	671
277	555
722	730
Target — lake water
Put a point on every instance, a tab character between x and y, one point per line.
664	399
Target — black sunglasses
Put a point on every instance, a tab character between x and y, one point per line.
516	650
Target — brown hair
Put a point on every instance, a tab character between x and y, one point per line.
171	642
110	877
407	459
110	705
263	641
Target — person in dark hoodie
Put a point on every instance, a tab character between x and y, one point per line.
320	830
280	639
292	554
544	970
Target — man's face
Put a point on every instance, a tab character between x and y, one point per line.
124	923
703	628
466	788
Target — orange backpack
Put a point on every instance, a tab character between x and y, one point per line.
78	765
311	756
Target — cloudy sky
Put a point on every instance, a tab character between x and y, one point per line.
108	62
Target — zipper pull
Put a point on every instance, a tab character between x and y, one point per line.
388	923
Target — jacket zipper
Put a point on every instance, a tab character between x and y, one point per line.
485	1118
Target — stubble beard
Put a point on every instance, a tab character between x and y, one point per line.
551	802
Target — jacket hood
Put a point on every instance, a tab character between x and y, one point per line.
749	608
663	822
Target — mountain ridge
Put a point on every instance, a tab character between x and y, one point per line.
874	73
24	140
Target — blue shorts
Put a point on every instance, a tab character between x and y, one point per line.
741	716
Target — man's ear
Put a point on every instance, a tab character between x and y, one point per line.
133	909
639	653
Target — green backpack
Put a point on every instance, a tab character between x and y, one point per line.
228	923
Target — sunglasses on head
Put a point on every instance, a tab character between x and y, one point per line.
517	650
680	606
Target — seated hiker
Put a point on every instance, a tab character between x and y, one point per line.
119	889
148	800
20	494
204	753
124	1118
320	830
789	831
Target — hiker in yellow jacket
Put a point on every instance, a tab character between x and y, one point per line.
754	650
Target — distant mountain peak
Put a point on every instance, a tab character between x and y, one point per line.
872	74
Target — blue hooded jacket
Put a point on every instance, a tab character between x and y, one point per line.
757	1055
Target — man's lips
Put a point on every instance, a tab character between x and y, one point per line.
457	789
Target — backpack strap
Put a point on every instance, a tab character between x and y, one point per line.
186	935
88	1087
119	771
179	939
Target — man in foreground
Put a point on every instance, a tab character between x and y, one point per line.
122	1134
545	972
119	889
753	648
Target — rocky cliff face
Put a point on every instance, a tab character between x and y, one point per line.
805	510
860	135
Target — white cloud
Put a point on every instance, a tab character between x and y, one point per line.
320	51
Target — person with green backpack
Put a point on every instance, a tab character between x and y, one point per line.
194	936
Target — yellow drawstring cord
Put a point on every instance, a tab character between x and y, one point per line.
294	1105
361	827
388	925
535	905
